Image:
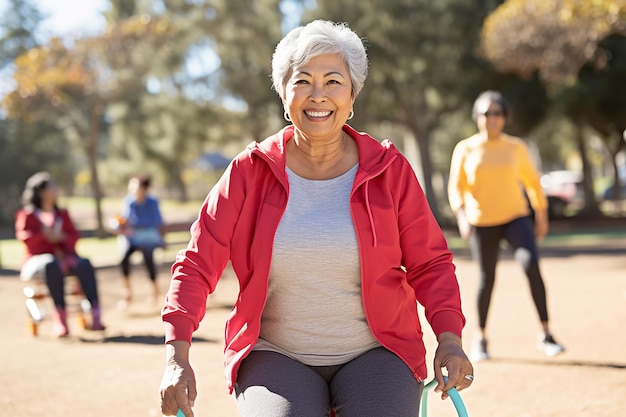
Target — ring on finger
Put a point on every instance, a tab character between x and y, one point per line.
469	377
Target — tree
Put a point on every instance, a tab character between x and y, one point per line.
245	33
556	40
25	148
70	87
20	23
166	126
422	64
602	88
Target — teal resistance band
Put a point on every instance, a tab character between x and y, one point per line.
180	413
452	392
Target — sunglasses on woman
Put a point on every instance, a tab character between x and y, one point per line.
493	113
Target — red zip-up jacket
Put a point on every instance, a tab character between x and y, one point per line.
404	256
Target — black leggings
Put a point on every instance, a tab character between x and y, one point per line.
55	279
485	246
147	257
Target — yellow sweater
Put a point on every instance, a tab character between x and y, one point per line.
488	179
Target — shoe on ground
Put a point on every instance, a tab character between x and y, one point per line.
479	350
549	346
124	302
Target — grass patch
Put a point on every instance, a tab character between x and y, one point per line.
101	252
105	251
569	239
590	237
11	254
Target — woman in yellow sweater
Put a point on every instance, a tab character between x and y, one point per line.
492	180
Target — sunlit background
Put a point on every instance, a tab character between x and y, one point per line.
95	88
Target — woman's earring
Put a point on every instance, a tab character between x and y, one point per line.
286	116
351	115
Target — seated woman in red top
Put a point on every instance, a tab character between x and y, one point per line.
50	238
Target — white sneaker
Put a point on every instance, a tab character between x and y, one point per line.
547	345
479	350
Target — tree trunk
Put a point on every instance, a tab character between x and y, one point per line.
183	195
91	148
427	172
422	122
422	138
617	191
621	144
591	207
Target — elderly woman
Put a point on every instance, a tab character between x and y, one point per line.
492	181
50	239
333	244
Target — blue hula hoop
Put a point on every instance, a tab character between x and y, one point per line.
452	392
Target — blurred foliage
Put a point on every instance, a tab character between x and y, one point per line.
555	37
573	46
422	66
28	144
598	100
172	79
245	33
70	86
35	146
19	24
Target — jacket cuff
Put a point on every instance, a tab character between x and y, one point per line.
447	321
178	328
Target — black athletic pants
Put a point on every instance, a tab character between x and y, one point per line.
485	246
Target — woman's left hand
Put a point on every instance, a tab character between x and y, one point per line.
541	224
66	262
450	355
53	235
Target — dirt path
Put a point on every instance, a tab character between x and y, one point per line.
116	373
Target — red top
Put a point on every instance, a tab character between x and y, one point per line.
404	255
29	229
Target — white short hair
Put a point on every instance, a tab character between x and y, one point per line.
318	38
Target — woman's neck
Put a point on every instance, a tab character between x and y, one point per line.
319	151
485	136
46	206
321	159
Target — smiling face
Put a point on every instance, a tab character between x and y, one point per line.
318	96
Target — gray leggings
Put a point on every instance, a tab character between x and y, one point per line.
375	384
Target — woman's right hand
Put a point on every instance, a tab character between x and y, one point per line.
178	386
465	228
52	234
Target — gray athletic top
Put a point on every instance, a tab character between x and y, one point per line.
314	311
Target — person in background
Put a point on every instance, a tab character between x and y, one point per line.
492	180
50	240
139	227
334	244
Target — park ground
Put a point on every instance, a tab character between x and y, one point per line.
117	372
